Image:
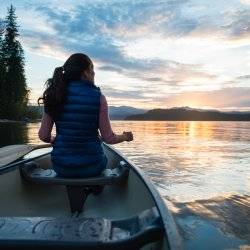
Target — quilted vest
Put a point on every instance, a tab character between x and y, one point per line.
77	142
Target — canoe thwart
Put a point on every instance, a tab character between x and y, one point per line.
81	233
31	172
78	189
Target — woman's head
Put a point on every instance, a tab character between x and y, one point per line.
77	67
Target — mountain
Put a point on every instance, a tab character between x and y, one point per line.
121	112
189	114
115	113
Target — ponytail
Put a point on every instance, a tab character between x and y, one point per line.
53	96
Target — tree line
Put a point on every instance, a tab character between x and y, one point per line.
14	92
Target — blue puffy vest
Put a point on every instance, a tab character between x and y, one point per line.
77	143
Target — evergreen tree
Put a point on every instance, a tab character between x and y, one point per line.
15	88
2	69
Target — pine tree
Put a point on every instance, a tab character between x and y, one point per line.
15	88
2	70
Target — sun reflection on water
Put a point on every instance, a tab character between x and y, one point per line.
202	170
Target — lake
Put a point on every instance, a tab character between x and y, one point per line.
202	169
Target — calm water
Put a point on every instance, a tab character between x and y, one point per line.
202	169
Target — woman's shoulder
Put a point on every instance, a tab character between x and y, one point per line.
103	98
103	102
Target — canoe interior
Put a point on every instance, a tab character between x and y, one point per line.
19	198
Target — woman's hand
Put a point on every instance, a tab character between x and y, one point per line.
128	136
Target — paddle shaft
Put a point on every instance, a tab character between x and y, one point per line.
39	146
12	166
11	153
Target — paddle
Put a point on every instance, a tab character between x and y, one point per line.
11	153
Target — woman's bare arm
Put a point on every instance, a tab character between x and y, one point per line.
46	128
106	131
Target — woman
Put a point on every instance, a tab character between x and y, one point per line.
78	108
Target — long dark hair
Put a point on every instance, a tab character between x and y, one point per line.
53	96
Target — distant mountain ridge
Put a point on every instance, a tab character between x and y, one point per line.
121	112
115	113
190	114
171	114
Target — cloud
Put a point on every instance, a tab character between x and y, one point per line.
103	29
239	26
225	98
240	81
43	44
112	21
124	94
244	77
85	28
247	2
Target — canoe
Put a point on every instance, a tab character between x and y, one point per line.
119	209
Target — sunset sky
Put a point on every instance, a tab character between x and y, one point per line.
147	53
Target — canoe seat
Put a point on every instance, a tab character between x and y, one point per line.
80	233
78	189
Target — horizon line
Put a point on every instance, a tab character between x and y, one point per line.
229	109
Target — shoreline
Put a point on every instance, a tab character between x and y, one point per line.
132	120
18	121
